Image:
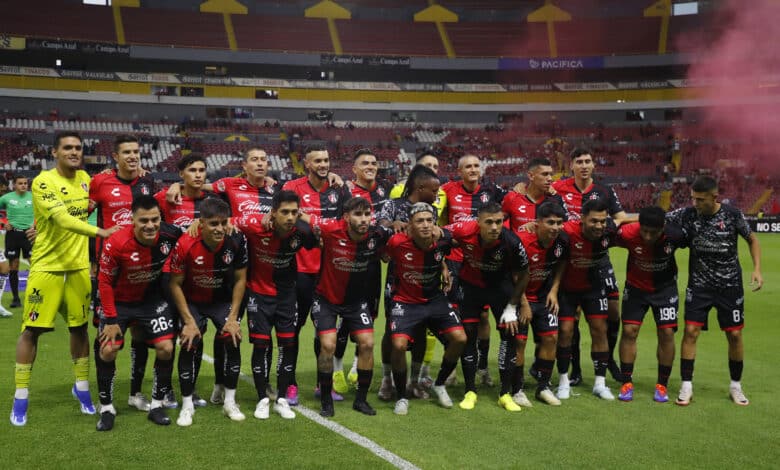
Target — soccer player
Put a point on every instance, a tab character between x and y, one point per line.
417	298
715	280
350	250
547	248
520	209
130	291
428	160
576	191
272	296
464	198
18	206
582	286
208	281
319	198
651	282
112	194
495	273
59	270
192	171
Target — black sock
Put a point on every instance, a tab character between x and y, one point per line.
292	350
468	360
506	365
285	366
232	367
269	359
326	386
735	370
613	332
399	377
445	370
139	356
187	360
574	355
518	379
163	368
663	374
105	379
545	367
198	360
686	369
13	276
363	383
563	355
600	362
483	351
259	370
627	371
219	361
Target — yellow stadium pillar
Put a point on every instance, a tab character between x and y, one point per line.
550	14
439	15
119	26
662	9
226	8
762	199
330	11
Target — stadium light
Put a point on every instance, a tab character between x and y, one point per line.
685	8
58	63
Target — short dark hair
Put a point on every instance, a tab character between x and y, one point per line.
704	184
363	151
578	152
62	135
123	139
214	207
594	205
356	204
145	202
318	147
426	153
491	207
254	147
652	217
550	209
538	162
418	174
282	197
17	176
188	160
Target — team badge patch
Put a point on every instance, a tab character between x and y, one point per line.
332	198
558	251
380	191
83	186
165	248
371	244
484	198
668	249
438	256
145	190
33	315
604	242
294	242
227	257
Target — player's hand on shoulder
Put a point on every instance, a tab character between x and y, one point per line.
173	195
106	232
335	180
520	188
399	226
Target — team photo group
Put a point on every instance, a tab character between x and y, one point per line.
256	258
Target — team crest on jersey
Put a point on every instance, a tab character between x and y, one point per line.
145	190
593	196
498	255
84	186
227	257
437	256
371	244
484	198
332	198
316	307
722	225
380	191
294	242
604	242
688	295
33	315
558	251
668	249
165	248
221	186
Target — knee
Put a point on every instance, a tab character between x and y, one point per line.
630	333
458	338
691	333
734	337
327	346
164	350
365	345
400	344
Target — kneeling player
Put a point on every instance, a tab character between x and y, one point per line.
208	281
418	299
130	291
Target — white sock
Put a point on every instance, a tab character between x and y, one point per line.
736	384
338	364
354	364
22	393
186	402
686	384
230	395
425	370
387	370
599	381
82	385
110	408
563	379
156	403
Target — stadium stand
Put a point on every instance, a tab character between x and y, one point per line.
389	37
57	19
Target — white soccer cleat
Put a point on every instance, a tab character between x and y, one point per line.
546	395
521	400
185	416
686	394
442	396
5	313
263	408
738	396
603	392
402	407
139	402
564	389
282	408
232	411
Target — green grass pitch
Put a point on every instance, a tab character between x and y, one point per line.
585	432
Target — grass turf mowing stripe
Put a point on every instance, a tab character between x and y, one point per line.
342	431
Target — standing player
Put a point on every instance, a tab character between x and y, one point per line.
427	160
651	282
417	298
319	198
715	279
59	271
520	209
130	291
192	171
208	280
19	210
494	273
464	198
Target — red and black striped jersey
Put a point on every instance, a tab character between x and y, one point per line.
344	275
324	204
244	198
542	263
130	271
488	265
181	215
376	195
585	258
209	275
520	209
651	268
272	262
573	198
416	277
463	204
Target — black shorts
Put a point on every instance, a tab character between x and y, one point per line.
609	281
265	312
155	318
475	298
594	303
218	314
664	303
455	295
437	314
16	244
356	317
729	302
543	322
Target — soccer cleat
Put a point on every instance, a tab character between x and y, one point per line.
5	313
442	396
564	390
263	408
217	394
232	411
738	396
546	395
575	380
158	416
469	401
84	399
484	378
170	400
185	416
626	392
292	395
352	377
15	303
326	409
139	402
106	421
19	412
333	394
614	371
282	408
386	389
522	400
506	402
603	392
401	407
363	407
685	396
340	382
416	390
198	401
426	382
660	395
